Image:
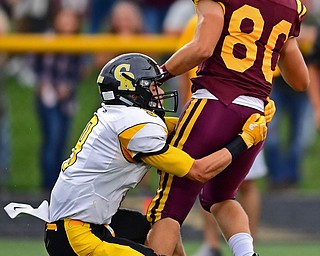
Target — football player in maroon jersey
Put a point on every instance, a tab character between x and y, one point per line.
236	46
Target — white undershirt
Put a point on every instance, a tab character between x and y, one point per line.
242	100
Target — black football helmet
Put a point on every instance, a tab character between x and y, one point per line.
126	80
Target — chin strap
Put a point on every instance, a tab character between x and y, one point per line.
126	101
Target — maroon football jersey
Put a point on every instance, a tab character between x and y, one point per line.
248	50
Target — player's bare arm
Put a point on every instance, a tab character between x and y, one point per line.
253	132
177	162
293	67
204	41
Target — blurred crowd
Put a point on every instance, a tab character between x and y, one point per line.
55	78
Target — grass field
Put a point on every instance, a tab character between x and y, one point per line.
36	248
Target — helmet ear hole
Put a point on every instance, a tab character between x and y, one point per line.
109	95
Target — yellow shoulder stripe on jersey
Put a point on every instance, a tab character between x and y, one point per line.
173	161
125	138
301	8
196	2
127	154
223	7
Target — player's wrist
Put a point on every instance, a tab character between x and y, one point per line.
247	138
166	74
237	146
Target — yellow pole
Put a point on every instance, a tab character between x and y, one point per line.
84	43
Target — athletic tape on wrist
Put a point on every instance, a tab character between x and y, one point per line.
167	74
236	147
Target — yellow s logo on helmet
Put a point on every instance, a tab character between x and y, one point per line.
125	84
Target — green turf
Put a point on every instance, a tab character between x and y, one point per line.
36	248
268	249
22	248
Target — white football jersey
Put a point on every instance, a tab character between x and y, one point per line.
101	168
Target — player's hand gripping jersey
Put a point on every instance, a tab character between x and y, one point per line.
236	68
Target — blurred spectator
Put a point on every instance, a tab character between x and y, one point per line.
98	11
290	133
79	7
28	16
6	7
175	22
4	120
36	16
177	17
58	78
154	13
313	7
125	19
314	89
31	16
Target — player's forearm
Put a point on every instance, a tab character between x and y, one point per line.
293	67
185	59
314	88
207	167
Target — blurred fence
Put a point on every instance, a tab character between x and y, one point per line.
84	43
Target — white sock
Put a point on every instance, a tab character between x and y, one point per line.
241	244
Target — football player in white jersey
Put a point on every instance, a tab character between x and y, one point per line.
126	136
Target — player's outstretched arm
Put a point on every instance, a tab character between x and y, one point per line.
179	163
253	132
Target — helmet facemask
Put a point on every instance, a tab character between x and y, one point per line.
133	79
150	96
